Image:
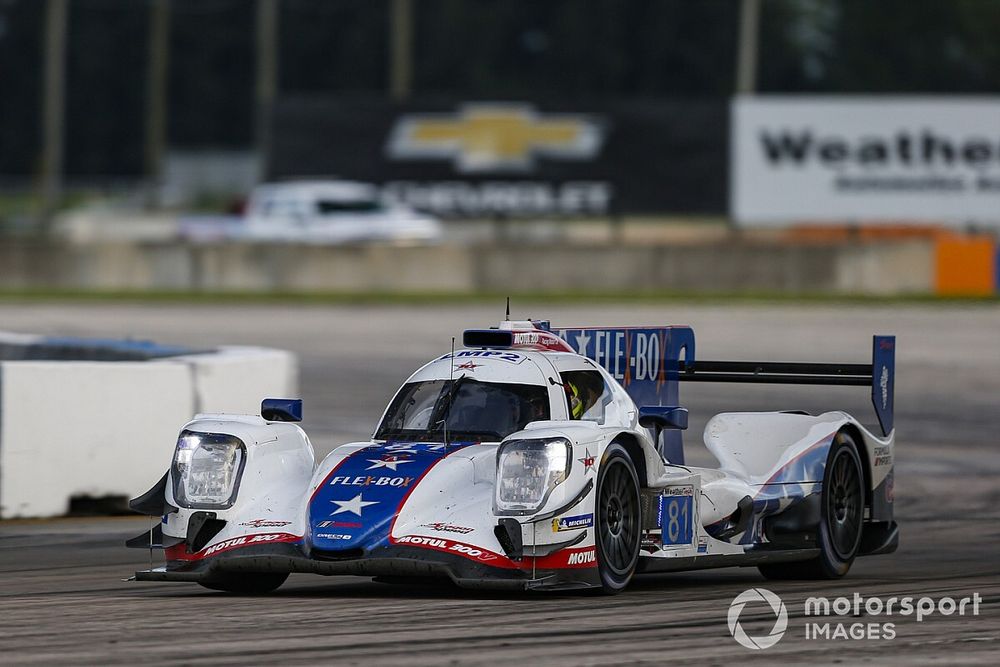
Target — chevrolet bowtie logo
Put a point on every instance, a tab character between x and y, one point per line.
484	138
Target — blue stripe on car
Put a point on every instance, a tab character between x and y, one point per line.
355	505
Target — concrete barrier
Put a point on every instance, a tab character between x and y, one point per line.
235	379
716	265
75	429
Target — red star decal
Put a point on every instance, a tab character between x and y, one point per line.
467	366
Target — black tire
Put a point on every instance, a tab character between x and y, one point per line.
619	527
246	583
841	518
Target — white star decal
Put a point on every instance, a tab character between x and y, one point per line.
587	461
581	343
389	463
354	505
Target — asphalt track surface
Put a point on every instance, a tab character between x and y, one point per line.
63	601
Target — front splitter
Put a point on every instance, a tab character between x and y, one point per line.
404	562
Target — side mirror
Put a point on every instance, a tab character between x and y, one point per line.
662	417
281	409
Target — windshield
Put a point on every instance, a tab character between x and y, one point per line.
472	410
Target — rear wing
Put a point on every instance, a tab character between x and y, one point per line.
879	375
650	362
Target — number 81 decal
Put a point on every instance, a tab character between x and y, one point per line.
676	515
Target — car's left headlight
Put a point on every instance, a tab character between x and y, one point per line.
528	471
206	469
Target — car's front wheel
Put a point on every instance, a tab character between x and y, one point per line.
618	524
246	583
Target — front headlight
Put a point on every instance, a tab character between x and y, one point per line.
206	469
528	471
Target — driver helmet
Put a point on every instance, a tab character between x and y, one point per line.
576	406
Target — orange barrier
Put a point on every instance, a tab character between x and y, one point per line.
965	265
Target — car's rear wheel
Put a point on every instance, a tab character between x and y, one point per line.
618	523
841	517
246	583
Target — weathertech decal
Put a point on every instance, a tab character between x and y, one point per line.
883	456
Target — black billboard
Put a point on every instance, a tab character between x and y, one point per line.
513	158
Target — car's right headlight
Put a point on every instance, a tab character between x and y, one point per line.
206	469
528	471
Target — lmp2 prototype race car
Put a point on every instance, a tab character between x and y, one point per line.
539	459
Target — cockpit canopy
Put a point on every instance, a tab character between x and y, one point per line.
466	408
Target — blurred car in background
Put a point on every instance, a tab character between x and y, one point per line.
332	212
316	212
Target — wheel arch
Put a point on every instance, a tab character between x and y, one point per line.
862	449
630	443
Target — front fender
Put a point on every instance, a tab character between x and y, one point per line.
279	463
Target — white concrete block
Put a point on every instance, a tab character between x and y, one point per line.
237	379
87	428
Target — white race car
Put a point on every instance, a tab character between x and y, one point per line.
536	458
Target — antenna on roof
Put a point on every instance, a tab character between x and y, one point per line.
451	388
507	316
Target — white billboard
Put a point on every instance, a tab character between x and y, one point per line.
866	160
